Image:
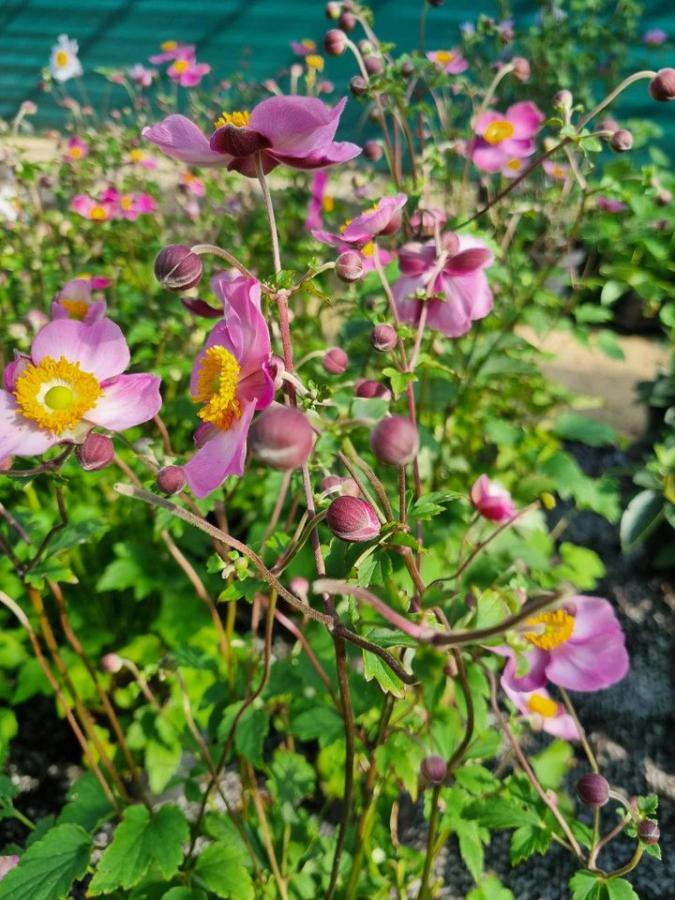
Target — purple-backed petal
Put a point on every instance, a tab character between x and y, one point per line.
14	369
238	141
221	455
415	258
246	165
404	290
467	261
99	348
535	677
297	125
180	139
127	401
19	436
331	155
201	308
368	224
526	118
333	240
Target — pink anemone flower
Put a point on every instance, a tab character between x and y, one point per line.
172	50
232	377
96	210
192	183
580	647
502	137
450	61
655	37
71	382
492	501
141	76
74	301
293	131
556	171
76	149
541	711
187	72
359	233
611	205
307	47
455	286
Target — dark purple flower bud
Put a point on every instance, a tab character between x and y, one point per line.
352	519
662	86
349	266
621	140
335	42
112	663
521	68
374	65
335	361
407	69
333	11
95	453
648	831
358	85
664	197
177	268
369	389
383	338
373	151
395	441
563	99
281	437
347	21
434	769
171	480
593	789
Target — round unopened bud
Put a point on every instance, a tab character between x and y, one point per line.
333	11
347	21
369	389
395	441
434	769
171	480
352	519
664	197
358	85
621	140
177	268
593	789
662	86
366	47
112	663
374	64
349	266
334	484
95	453
281	437
649	832
299	586
335	361
383	338
521	68
373	151
407	69
608	124
563	99
335	42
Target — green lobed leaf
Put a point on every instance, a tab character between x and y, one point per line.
48	868
293	779
87	805
221	869
490	888
375	668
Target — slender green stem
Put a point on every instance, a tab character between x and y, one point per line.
431	841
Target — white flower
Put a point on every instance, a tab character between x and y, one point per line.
63	63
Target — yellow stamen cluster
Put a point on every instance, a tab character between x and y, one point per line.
240	119
368	250
309	44
498	131
314	61
542	706
328	203
75	152
98	213
56	394
76	309
180	66
167	46
137	155
217	388
126	202
550	629
61	58
514	165
444	57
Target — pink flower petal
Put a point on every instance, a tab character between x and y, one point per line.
19	436
180	138
330	155
297	126
589	666
99	348
488	157
221	455
246	326
127	401
526	118
481	122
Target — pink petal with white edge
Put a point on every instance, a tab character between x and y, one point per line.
180	138
19	436
221	455
297	125
526	118
99	348
127	401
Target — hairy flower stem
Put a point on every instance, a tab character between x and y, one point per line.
203	249
269	209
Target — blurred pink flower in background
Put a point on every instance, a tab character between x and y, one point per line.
502	138
141	76
172	50
76	149
609	204
655	37
75	301
140	158
450	61
187	72
307	47
492	501
557	171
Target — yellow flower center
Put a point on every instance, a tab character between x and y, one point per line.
217	388
558	171
167	46
126	202
239	118
314	61
137	155
56	394
444	57
98	213
61	58
328	203
75	152
368	249
543	706
550	629
181	65
76	309
84	276
309	44
345	225
514	164
498	131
